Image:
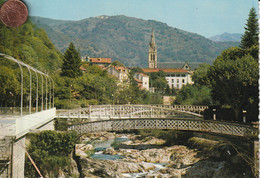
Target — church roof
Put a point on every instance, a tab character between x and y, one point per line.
165	70
177	65
100	60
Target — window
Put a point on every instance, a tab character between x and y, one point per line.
183	81
178	86
172	85
178	75
173	75
172	80
183	75
177	82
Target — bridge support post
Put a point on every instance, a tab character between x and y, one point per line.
256	157
18	158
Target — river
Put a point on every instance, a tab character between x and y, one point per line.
100	146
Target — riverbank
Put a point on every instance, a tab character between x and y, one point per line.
150	156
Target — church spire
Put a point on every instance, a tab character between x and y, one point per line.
152	56
152	42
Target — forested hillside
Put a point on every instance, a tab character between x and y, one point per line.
126	39
30	45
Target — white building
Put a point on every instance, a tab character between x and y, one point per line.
143	81
176	78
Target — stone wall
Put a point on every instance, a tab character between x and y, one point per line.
5	156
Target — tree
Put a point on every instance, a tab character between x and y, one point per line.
9	86
250	36
160	84
200	75
194	95
51	152
234	80
71	63
117	63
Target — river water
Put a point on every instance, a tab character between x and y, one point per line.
100	146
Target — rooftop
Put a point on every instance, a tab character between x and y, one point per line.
100	60
178	65
165	70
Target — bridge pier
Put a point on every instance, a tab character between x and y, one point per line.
256	157
18	158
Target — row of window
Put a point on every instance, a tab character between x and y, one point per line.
176	75
177	81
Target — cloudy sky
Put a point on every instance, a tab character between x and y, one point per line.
205	17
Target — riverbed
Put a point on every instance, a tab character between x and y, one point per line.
133	156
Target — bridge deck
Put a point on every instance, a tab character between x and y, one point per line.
18	126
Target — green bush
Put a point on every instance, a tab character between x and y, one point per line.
50	151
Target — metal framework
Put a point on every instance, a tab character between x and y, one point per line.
160	123
95	112
30	68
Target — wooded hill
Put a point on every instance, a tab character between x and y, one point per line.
126	39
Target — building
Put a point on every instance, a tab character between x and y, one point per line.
176	78
119	72
189	66
142	80
152	55
178	74
99	61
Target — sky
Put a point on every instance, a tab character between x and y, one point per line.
204	17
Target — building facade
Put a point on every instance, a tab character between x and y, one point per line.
119	72
142	80
176	78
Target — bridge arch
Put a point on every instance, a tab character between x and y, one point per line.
165	123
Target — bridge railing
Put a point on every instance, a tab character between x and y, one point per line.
176	124
129	111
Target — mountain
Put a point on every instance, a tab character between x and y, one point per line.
126	39
235	37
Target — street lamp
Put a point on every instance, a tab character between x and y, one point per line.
214	114
244	116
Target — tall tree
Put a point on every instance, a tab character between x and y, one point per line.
234	80
250	36
71	63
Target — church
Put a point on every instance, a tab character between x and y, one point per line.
177	76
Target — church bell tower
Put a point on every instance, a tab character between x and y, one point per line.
152	59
